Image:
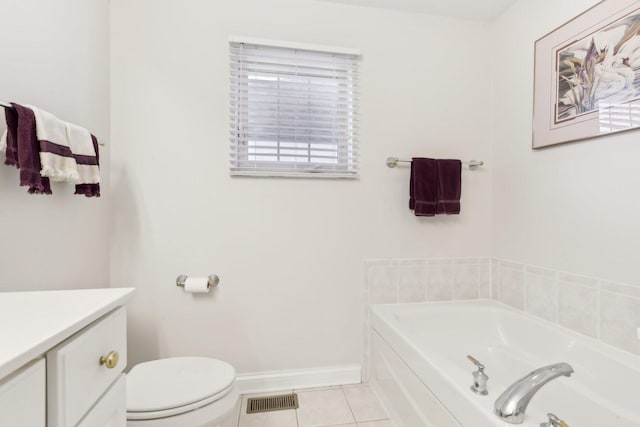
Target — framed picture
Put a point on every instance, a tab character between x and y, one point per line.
587	75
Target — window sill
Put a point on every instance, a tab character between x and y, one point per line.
296	174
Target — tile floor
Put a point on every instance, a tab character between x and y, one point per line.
341	406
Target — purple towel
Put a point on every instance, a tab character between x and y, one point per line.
91	190
423	186
435	186
23	149
11	153
449	187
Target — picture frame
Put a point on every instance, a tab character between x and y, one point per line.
587	76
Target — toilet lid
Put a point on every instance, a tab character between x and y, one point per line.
174	382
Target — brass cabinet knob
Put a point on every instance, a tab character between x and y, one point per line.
110	360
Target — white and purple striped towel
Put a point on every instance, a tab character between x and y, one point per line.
67	151
3	141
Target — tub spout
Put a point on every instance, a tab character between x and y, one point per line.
512	404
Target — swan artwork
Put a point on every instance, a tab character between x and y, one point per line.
599	71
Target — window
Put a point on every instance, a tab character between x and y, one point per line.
293	110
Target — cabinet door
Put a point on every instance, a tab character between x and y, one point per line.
23	397
77	374
110	411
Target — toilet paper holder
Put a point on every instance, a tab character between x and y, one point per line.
213	281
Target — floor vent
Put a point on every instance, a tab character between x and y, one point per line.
272	403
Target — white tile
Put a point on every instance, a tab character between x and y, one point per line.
440	282
466	282
578	307
376	261
323	408
439	261
577	279
466	260
484	288
512	265
622	289
267	419
540	271
381	423
412	280
383	284
542	296
364	404
512	287
367	266
495	279
619	321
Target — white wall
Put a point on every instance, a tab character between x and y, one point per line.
573	207
55	54
289	252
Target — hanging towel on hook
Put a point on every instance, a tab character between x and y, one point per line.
68	152
3	141
21	148
56	155
435	186
90	189
449	186
8	143
423	186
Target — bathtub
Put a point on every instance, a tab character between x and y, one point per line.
419	367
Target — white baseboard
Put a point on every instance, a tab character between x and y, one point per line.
301	378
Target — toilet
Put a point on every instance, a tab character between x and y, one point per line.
182	392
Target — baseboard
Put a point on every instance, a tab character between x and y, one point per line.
301	378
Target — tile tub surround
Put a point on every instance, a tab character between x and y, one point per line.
594	307
393	281
344	406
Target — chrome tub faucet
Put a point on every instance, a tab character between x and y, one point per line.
554	421
512	404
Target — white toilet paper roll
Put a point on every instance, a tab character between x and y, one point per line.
196	285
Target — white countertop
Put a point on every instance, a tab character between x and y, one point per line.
33	322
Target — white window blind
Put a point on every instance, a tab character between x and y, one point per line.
293	111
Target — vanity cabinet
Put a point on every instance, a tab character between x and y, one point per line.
110	411
23	397
83	368
63	363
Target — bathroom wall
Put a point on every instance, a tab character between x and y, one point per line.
572	207
55	54
569	208
289	252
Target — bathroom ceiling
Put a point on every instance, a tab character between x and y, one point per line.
485	10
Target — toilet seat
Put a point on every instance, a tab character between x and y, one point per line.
173	386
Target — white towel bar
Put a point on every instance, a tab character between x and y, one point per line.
8	105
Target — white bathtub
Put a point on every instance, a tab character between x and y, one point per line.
419	366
